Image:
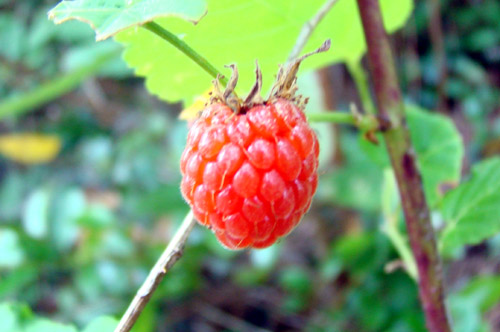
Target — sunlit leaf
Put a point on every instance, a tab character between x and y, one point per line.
241	31
111	16
471	210
191	112
30	148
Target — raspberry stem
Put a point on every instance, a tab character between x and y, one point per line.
186	49
397	137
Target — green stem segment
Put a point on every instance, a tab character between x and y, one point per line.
363	122
332	117
186	49
397	138
52	89
358	74
391	211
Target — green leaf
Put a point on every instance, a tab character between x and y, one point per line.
35	216
12	30
486	289
43	325
96	216
241	31
16	281
11	195
469	304
11	253
298	285
439	149
101	324
68	208
8	317
147	320
471	209
438	146
361	253
356	184
19	318
111	16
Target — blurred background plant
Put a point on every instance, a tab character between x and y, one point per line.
89	191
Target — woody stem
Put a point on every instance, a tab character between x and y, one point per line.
417	215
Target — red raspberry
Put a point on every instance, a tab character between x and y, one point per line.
250	177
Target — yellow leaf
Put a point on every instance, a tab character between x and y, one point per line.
191	112
30	148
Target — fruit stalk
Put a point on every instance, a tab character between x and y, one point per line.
186	49
416	211
170	256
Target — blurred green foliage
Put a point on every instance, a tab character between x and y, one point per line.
79	235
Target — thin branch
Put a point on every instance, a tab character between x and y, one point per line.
308	29
397	138
186	49
170	256
52	89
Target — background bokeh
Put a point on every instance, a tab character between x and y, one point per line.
92	198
